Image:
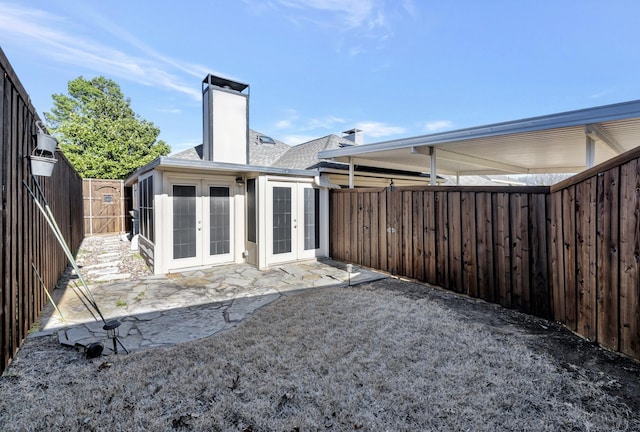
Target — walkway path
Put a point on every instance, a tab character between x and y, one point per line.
168	309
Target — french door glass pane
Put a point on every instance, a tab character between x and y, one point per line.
219	221
184	221
252	232
311	218
281	220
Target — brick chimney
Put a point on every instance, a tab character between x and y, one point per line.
225	125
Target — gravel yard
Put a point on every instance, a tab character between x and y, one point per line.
389	355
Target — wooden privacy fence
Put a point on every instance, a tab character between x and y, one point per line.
488	243
595	253
104	206
27	241
569	253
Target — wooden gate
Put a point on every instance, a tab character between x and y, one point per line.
104	206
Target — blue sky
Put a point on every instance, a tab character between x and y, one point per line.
393	68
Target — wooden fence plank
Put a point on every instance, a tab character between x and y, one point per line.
368	234
519	227
382	230
569	235
394	232
5	324
455	242
557	258
608	246
469	243
540	293
418	234
360	228
586	258
431	251
502	241
442	240
12	223
374	230
630	258
407	235
486	283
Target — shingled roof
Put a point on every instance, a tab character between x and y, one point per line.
279	154
305	155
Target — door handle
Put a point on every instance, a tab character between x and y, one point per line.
199	225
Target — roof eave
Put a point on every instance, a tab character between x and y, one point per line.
186	164
585	116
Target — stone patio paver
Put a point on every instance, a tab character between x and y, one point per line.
162	310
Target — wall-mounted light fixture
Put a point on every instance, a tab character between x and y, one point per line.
239	181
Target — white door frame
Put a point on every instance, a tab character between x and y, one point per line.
202	213
297	250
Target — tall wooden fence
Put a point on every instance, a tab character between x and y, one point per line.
489	243
27	241
595	271
569	253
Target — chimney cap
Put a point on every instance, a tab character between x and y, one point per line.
224	82
352	131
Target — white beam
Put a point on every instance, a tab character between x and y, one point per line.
350	173
481	162
552	170
590	152
383	164
433	173
421	150
597	132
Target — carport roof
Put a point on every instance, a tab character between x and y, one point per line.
567	142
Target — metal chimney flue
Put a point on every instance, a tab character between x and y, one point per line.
354	135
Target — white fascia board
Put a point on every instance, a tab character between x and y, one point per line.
586	116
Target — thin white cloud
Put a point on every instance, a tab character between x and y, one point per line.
437	125
284	124
355	27
378	129
350	13
169	110
42	33
327	122
295	122
297	139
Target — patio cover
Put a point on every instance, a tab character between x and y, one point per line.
567	142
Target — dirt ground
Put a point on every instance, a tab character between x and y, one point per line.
618	374
390	355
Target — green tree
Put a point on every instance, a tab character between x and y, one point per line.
99	132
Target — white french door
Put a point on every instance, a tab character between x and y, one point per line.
201	223
293	221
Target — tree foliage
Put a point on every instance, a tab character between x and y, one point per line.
99	132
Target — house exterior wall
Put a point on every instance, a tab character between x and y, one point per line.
159	252
164	260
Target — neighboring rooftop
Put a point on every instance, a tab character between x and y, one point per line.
269	152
